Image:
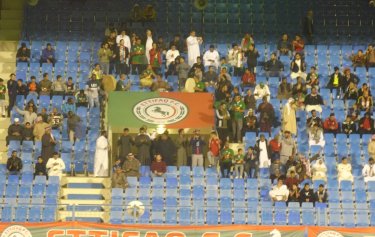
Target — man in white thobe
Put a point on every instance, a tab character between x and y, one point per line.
319	170
171	55
148	44
55	165
211	57
262	90
368	171
279	192
101	156
344	170
126	38
193	43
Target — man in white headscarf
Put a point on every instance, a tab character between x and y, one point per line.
368	171
344	170
289	117
101	156
193	43
319	170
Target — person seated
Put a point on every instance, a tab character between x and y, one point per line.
58	87
294	193
314	119
158	167
248	79
29	115
15	132
336	80
298	67
21	88
274	67
312	79
146	77
199	85
211	58
48	55
366	124
23	54
314	101
292	180
284	46
40	168
358	59
298	44
27	133
69	106
365	88
131	166
316	137
81	99
284	91
55	165
196	65
172	54
33	86
210	77
238	161
331	125
261	90
348	78
70	87
300	86
55	119
279	192
251	123
119	179
306	194
368	171
45	85
226	164
14	164
321	195
365	102
319	170
160	85
370	52
351	92
149	13
344	170
348	126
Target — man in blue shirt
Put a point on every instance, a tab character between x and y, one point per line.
48	55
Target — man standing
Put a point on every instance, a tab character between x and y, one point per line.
125	143
14	164
288	147
211	57
368	171
171	55
308	27
237	108
48	144
12	92
193	43
55	165
92	88
101	156
166	148
197	145
182	71
143	143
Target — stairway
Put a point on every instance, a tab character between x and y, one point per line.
11	19
84	199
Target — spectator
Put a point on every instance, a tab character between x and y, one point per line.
358	59
294	193
298	67
92	88
59	86
146	77
288	147
263	152
299	87
210	77
33	86
40	168
119	179
197	68
316	137
23	54
121	85
368	171
366	124
15	132
182	143
306	194
284	91
348	78
149	13
178	43
275	170
29	116
143	144
12	92
348	126
226	165
45	85
321	195
275	147
148	41
251	163
351	92
211	57
155	58
55	165
14	164
267	115
165	147
171	55
73	125
193	43
21	88
292	180
303	167
117	164
251	123
331	125
69	106
314	119
319	170
238	161
172	68
261	90
158	167
312	79
70	87
274	67
249	100
131	166
97	72
39	128
308	27
246	41
252	55
2	98
314	101
197	144
214	147
125	143
364	89
235	59
122	57
336	80
284	46
182	70
223	117
237	107
160	85
101	159
298	45
344	170
290	165
48	144
81	99
248	79
370	55
136	14
126	39
104	55
365	102
279	192
48	55
55	119
289	117
27	133
371	147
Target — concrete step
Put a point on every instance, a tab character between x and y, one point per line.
3	147
80	191
11	14
8	56
10	34
4	123
7	67
13	24
12	4
84	202
9	45
66	214
105	181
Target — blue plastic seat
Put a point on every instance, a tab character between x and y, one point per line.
363	218
185	216
21	214
49	214
267	216
334	217
116	217
35	214
170	215
7	214
308	217
212	216
294	216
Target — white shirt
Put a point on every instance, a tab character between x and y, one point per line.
232	57
368	170
171	56
344	172
126	39
148	47
193	49
55	166
279	193
261	92
211	58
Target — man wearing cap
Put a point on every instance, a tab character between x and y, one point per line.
48	144
237	107
14	164
344	170
131	166
15	131
55	165
197	144
368	170
101	156
23	54
211	57
330	124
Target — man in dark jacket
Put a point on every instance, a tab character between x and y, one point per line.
23	54
166	148
321	195
273	67
252	58
14	164
121	58
125	143
12	92
15	131
306	194
251	163
121	85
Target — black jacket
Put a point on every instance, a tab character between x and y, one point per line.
14	164
294	67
